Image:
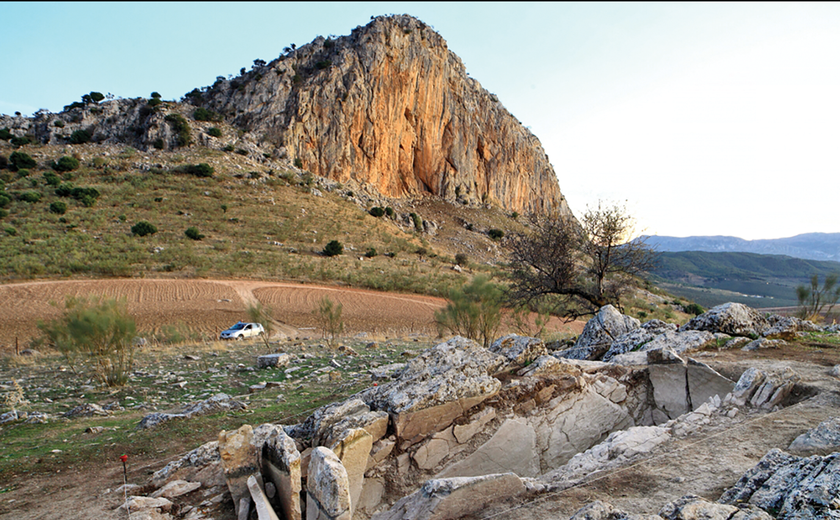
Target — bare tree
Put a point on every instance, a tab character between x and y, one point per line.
814	299
577	267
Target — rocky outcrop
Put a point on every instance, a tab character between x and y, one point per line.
599	333
391	106
792	487
735	319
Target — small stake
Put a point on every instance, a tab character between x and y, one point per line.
124	458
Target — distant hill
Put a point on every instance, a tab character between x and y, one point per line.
754	279
810	246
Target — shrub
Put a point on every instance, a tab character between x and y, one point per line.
99	331
23	173
370	253
298	163
514	215
228	148
202	114
241	151
58	123
96	97
11	231
5	200
4	162
143	228
181	128
65	164
4	213
390	212
418	222
82	193
51	179
20	141
473	311
329	317
377	211
154	102
19	160
5	134
496	234
58	207
461	259
694	308
30	196
214	132
333	248
199	170
159	143
155	95
80	137
192	232
74	105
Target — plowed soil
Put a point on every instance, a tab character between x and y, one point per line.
206	307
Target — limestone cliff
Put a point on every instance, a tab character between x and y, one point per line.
391	106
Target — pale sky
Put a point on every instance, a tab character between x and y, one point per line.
704	118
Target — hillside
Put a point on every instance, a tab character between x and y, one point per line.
756	280
809	246
388	106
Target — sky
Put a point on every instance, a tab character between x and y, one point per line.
700	118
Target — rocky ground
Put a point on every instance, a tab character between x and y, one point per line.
681	422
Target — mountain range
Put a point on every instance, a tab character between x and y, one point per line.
809	246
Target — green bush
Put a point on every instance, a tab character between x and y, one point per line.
58	123
155	101
11	231
333	248
390	212
228	148
58	207
4	162
202	114
181	127
65	164
214	132
95	335
96	97
155	95
22	174
80	137
158	143
461	259
20	141
496	234
5	134
19	160
328	315
5	200
370	253
694	308
298	163
4	213
418	222
377	211
473	311
192	232
51	179
143	228
30	196
199	170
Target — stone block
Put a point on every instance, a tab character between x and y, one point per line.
512	449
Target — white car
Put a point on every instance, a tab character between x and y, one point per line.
243	330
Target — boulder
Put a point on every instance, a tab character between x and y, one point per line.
825	437
789	486
176	488
281	465
239	460
438	386
731	318
787	327
679	342
599	333
692	507
763	389
218	403
636	338
519	349
202	464
327	487
549	365
512	449
449	498
599	510
273	360
353	449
